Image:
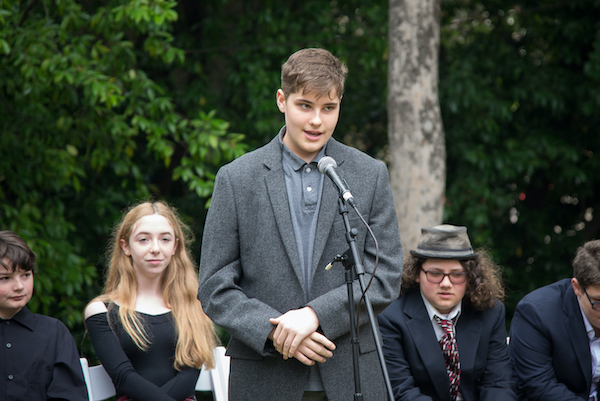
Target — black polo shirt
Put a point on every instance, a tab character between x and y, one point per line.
39	360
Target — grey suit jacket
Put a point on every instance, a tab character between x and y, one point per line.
250	271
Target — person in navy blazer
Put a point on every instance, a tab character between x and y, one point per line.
444	277
553	331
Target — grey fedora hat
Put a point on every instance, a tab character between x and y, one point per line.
444	242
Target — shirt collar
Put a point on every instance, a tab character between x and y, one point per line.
24	317
588	326
431	311
294	161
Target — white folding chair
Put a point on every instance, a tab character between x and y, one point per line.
98	382
216	380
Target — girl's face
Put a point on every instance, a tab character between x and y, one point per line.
151	245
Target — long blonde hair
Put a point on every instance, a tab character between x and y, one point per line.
179	282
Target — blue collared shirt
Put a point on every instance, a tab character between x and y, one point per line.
304	184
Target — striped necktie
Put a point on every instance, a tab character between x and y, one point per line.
450	351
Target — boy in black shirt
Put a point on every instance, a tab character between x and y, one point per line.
39	359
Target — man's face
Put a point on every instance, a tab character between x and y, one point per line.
310	121
593	292
445	295
16	289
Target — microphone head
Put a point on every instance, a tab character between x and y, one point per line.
325	163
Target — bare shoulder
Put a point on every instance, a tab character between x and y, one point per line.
94	308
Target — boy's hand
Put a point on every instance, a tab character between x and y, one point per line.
292	328
315	348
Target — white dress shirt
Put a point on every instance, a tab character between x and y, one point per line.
595	353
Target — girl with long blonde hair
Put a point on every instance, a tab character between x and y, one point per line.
147	327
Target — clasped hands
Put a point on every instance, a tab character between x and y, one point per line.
296	336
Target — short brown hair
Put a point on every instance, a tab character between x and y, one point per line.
586	264
484	282
15	250
313	70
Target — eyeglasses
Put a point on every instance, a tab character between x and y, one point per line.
455	277
595	305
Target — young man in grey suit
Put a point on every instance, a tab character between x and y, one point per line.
555	335
273	226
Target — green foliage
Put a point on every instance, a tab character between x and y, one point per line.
519	108
104	103
87	130
240	46
516	90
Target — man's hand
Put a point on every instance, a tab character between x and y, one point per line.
315	348
293	327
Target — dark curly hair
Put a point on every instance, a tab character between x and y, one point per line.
484	279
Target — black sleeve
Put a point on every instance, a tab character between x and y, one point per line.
67	378
118	366
176	387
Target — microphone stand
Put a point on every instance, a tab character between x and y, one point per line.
350	261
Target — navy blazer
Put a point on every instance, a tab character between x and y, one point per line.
250	271
415	361
549	346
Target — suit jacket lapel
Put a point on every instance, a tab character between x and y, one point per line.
427	344
277	191
328	209
577	335
276	188
468	334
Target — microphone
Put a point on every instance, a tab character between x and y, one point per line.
327	166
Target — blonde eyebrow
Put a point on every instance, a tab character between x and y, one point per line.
147	233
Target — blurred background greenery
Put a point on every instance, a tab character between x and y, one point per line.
104	103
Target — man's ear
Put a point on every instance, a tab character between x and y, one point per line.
576	286
125	247
280	98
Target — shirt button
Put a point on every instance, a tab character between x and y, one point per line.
309	189
10	377
8	322
308	169
8	345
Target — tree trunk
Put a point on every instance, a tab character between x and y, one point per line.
416	134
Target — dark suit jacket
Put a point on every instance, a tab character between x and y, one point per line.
415	361
549	346
250	271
